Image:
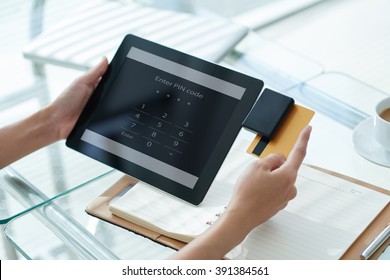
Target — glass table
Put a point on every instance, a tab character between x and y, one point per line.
43	196
62	229
61	169
42	176
28	185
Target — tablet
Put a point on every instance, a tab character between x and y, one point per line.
164	117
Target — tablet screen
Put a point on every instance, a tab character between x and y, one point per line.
167	118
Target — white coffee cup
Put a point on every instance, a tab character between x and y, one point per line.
382	125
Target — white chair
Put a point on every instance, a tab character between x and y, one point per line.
97	29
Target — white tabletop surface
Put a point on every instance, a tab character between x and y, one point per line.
346	36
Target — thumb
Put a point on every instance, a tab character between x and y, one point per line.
93	75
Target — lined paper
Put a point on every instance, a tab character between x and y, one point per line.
324	219
322	222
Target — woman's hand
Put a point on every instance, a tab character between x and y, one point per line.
263	189
267	185
66	109
52	123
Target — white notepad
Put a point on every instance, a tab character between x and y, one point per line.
161	212
322	222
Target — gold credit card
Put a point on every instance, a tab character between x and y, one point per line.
283	141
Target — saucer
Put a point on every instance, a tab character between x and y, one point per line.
366	145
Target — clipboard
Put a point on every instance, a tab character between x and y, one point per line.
100	208
374	228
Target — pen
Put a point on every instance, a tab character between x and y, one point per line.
376	243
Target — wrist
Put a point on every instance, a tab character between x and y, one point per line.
26	136
45	127
237	223
217	241
238	214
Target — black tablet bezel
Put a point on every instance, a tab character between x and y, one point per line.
195	196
